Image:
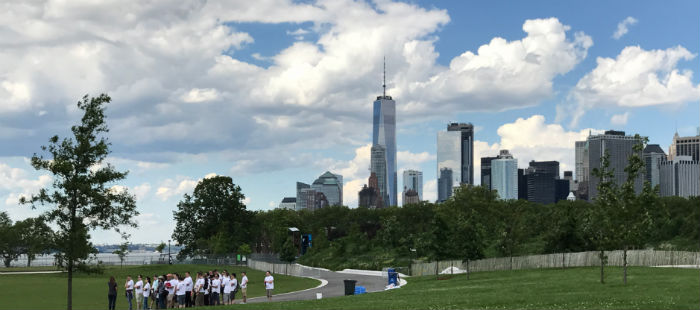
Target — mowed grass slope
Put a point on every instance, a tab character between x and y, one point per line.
575	288
48	291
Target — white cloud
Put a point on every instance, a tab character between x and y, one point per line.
197	95
620	119
141	191
636	78
178	187
622	27
430	190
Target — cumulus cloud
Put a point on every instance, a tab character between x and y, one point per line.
175	187
622	27
636	78
620	119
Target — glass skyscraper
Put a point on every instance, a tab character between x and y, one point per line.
467	150
384	134
504	176
449	162
378	168
331	185
412	180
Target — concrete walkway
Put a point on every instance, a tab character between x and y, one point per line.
334	287
31	272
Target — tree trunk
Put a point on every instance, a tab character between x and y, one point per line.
602	263
452	267
624	265
467	269
70	284
563	266
7	262
29	261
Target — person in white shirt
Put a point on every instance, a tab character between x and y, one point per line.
269	285
199	288
146	292
129	289
244	287
170	286
181	289
138	288
234	288
215	285
227	289
188	292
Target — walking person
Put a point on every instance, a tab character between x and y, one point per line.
138	289
112	293
244	287
146	292
129	290
269	285
234	288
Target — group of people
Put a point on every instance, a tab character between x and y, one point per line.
180	291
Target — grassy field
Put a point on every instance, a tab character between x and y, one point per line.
577	288
48	291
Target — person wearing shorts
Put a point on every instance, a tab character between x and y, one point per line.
269	285
181	291
171	285
244	287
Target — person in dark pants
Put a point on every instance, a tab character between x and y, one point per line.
112	293
162	293
129	288
188	293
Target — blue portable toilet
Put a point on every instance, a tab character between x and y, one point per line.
393	276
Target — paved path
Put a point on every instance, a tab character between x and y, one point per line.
334	287
32	272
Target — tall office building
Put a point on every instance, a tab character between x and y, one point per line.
311	200
522	183
412	180
504	175
288	203
620	147
384	134
680	177
466	140
300	202
569	176
486	171
653	157
378	168
581	161
368	197
449	162
331	185
410	197
542	179
685	146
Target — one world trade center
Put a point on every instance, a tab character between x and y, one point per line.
384	135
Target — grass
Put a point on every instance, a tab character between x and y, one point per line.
48	291
576	288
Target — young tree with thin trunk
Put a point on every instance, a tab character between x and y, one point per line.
599	221
82	196
122	252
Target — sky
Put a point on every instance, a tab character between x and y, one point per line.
272	92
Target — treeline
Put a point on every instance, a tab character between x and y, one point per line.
30	237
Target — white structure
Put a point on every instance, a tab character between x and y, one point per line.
571	197
289	203
504	176
412	180
680	177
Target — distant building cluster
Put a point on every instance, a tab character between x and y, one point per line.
676	174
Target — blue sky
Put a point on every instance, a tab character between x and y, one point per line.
276	92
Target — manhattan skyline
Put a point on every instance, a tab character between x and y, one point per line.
283	91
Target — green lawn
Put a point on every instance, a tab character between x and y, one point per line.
577	288
48	291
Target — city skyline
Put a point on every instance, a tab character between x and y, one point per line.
273	98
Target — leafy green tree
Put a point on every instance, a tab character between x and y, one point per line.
289	251
160	247
122	252
600	222
244	249
35	236
564	234
81	193
213	220
10	242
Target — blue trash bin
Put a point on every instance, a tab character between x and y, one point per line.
393	276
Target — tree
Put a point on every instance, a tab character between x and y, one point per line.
564	234
122	252
82	193
599	223
160	247
244	249
213	220
289	251
9	240
35	236
633	213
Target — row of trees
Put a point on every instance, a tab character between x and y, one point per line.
29	237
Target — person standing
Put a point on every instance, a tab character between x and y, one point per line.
154	293
146	292
244	287
226	288
199	289
215	286
112	293
162	292
138	289
129	290
188	290
234	288
180	291
170	286
269	285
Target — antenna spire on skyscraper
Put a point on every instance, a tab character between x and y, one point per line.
384	81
